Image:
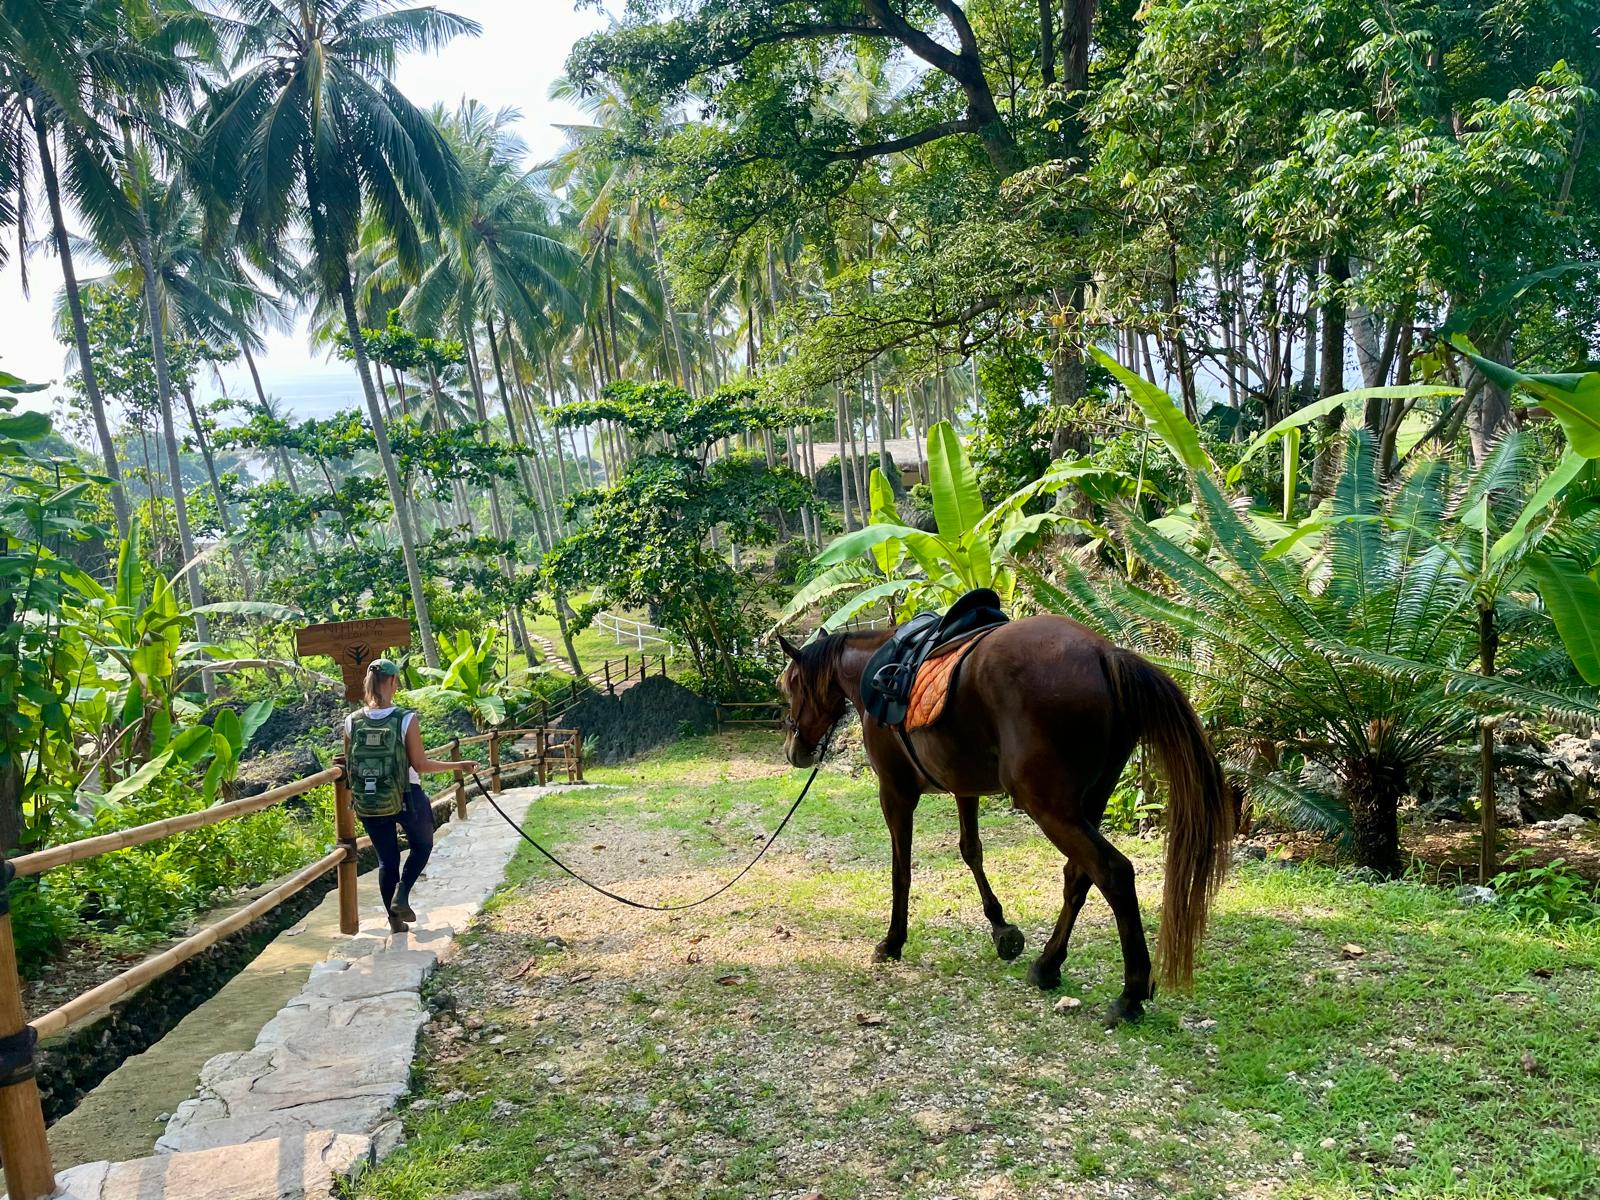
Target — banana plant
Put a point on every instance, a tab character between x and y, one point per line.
223	742
908	570
469	680
136	629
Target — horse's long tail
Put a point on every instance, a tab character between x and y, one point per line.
1200	812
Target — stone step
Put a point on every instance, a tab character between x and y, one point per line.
307	1166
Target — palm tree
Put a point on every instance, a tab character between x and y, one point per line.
308	134
1351	661
207	298
56	57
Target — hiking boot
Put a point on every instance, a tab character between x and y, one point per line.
402	906
397	923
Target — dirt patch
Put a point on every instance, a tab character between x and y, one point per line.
1448	850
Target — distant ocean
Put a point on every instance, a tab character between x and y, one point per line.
307	389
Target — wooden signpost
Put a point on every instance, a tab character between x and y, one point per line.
353	644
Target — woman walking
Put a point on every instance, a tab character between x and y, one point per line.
386	761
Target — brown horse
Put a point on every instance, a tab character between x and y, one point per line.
1047	712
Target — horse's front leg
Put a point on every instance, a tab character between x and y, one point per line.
898	807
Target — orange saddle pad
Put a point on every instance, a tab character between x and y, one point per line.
936	680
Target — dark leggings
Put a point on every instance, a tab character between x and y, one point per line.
416	818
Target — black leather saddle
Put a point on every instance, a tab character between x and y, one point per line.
892	670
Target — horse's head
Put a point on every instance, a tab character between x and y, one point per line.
810	684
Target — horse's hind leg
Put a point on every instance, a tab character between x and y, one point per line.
1046	969
1008	940
1110	871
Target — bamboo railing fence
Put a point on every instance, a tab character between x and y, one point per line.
24	1148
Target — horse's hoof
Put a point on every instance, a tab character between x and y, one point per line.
1046	979
1123	1009
1008	941
884	952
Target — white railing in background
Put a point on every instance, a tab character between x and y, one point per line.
630	632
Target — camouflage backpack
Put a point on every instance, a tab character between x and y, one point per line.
379	765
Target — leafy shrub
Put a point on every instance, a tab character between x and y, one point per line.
42	918
1132	809
1552	894
147	892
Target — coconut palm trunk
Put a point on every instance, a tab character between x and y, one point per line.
80	327
169	436
234	550
397	494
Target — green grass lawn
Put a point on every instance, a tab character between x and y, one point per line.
594	645
749	1049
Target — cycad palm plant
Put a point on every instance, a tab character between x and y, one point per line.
1355	662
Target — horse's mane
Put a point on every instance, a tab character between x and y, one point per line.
818	661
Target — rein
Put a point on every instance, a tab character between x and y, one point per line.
822	753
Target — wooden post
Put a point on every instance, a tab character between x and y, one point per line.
344	827
494	764
538	753
461	788
577	753
606	666
23	1146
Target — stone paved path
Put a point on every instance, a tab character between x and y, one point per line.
313	1099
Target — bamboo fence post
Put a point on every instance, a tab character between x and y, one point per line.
461	788
24	1149
344	825
494	764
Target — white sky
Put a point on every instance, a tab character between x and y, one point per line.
522	48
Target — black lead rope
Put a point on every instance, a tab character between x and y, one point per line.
822	752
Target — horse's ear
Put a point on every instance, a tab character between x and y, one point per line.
789	647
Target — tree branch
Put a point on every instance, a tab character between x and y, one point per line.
910	141
918	42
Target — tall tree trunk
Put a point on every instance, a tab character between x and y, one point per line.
80	327
397	494
666	301
1487	417
523	470
1330	378
844	460
234	550
169	435
497	516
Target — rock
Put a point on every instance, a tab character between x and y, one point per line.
455	1097
1244	854
265	771
1329	1143
387	1138
307	1166
504	1110
423	1105
1469	895
1566	823
1068	1003
1366	875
